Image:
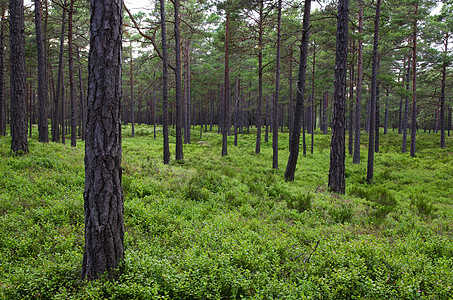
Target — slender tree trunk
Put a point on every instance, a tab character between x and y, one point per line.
414	83
406	108
2	75
295	134
43	128
351	104
131	80
337	145
226	98
378	118
164	84
236	111
71	77
291	104
374	71
211	121
313	112
153	112
63	112
442	97
178	82
260	78
266	133
58	92
277	89
386	110
104	208
83	115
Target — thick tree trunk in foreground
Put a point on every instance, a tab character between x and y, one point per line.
19	142
164	84
297	124
43	128
104	208
337	145
374	70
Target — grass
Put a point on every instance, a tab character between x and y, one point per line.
213	227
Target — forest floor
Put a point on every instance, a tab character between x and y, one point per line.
213	227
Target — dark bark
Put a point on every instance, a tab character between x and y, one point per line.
2	76
351	104
19	142
277	89
71	77
291	104
62	112
260	78
164	84
442	97
406	108
372	115
83	115
178	83
103	197
266	133
43	128
58	92
226	90
211	121
236	111
295	134
414	83
337	145
131	80
153	112
378	118
386	110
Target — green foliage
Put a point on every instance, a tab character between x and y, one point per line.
230	227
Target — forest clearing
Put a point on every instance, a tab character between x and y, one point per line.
213	227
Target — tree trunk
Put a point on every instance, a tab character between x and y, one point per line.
71	77
337	145
406	107
358	101
295	134
374	71
442	97
260	78
153	112
226	97
103	197
131	80
178	83
236	111
63	113
386	110
351	104
43	128
414	83
2	76
277	89
58	92
83	115
164	84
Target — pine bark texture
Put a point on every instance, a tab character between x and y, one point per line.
414	83
226	97
276	96
406	109
164	84
58	92
19	142
178	82
260	79
358	104
43	128
71	77
374	70
2	76
104	207
297	124
337	145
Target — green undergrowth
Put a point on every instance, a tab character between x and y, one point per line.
213	227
